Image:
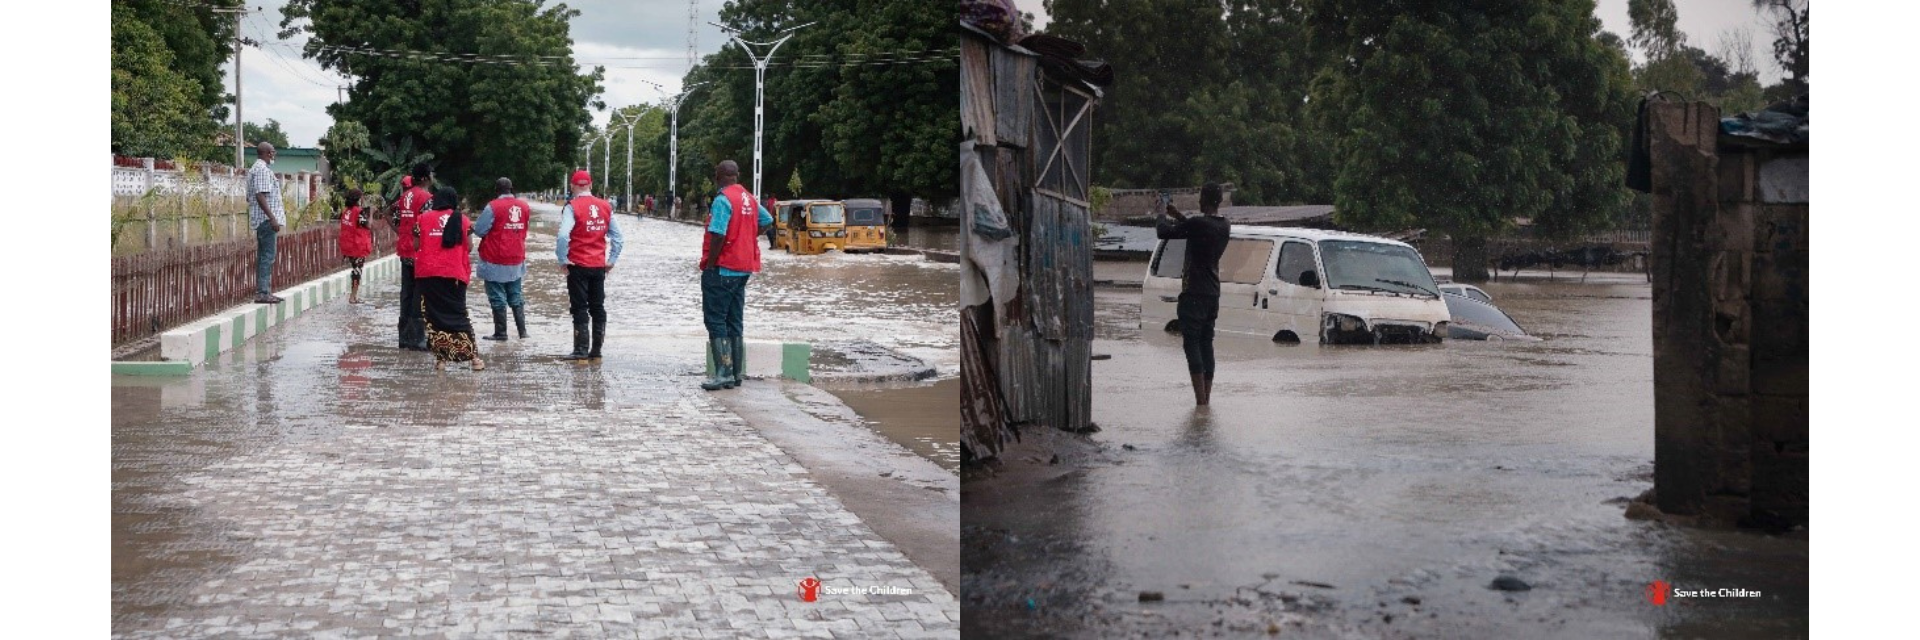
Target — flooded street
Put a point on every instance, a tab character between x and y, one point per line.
317	479
1370	491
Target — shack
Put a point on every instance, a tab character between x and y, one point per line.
1026	299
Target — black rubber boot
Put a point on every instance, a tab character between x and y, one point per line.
520	321
580	339
499	324
599	338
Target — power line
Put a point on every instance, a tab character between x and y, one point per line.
812	60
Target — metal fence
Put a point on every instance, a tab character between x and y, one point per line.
159	290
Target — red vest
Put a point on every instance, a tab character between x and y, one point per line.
355	241
587	246
506	242
434	261
412	203
741	249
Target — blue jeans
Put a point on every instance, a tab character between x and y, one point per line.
723	300
269	246
504	294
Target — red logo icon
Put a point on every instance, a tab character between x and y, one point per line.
1657	592
809	590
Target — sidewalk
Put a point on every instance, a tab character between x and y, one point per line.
317	482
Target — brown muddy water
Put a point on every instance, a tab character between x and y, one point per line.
1364	492
924	417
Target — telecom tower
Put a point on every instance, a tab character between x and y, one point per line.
693	37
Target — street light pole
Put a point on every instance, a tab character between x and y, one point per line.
759	88
628	122
673	140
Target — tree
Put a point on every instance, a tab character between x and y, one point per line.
522	119
344	145
270	134
155	107
396	160
1790	41
1462	116
1170	61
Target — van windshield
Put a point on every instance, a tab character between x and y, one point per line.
826	214
1372	265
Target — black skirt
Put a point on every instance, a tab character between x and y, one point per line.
443	304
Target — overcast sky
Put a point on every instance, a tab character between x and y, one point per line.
281	85
1702	20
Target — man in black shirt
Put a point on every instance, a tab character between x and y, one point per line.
1206	237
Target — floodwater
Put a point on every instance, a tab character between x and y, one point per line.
929	233
922	417
1364	492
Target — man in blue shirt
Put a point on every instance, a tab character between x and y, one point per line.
731	254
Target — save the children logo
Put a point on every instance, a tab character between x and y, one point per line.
1660	592
513	214
809	590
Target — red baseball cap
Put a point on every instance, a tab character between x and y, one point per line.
582	178
406	181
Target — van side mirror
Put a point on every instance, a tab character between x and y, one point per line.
1309	279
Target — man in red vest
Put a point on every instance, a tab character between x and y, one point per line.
503	257
730	255
587	246
406	244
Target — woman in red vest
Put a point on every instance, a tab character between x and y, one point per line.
441	270
356	240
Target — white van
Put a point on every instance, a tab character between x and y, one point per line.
1290	284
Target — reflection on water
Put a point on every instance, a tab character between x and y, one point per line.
1393	475
923	418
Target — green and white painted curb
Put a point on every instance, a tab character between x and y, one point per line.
189	346
770	358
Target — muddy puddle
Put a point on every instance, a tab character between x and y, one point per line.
924	418
1364	492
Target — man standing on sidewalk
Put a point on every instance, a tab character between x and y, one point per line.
1199	305
729	256
406	244
588	245
267	215
503	257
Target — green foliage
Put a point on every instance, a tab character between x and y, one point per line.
1656	27
156	108
1462	116
270	134
345	144
852	129
395	160
480	121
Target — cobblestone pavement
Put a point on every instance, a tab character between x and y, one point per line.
319	483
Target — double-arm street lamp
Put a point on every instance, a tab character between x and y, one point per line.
759	87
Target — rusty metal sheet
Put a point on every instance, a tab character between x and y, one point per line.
977	90
1013	83
1043	273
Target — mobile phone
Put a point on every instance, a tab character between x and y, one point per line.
1165	200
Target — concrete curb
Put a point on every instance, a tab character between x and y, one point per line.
774	359
188	346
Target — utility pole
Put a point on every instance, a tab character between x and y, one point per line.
239	126
759	87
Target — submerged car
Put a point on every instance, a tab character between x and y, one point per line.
1474	319
1466	290
1293	285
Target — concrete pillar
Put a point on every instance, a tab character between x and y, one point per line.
1729	324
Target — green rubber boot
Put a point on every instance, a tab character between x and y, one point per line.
721	349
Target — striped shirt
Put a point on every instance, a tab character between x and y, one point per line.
260	179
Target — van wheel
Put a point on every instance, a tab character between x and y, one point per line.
1173	326
1286	337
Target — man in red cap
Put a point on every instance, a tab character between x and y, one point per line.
588	245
